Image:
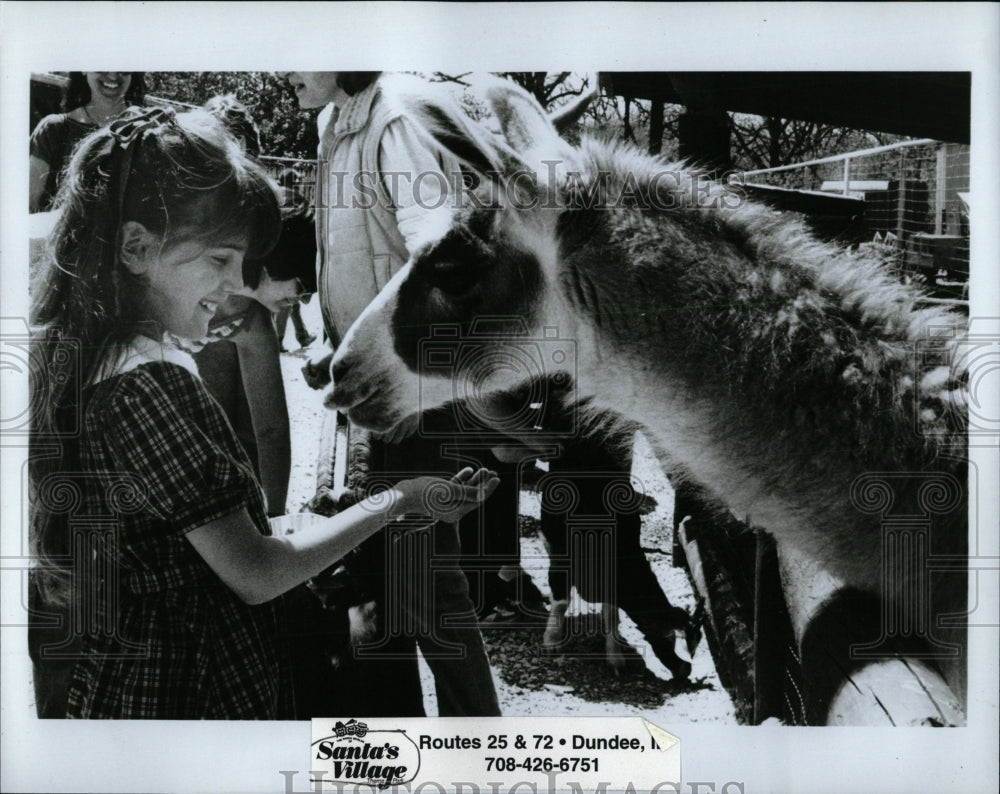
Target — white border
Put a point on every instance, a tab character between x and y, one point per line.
243	757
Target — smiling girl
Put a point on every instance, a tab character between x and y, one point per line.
145	513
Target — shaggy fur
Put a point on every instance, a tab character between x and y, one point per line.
772	368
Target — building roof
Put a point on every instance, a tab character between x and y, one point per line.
919	104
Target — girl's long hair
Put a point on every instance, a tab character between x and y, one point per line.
183	178
78	91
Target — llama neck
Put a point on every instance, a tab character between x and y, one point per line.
772	368
710	443
744	310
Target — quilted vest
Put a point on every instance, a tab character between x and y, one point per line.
360	247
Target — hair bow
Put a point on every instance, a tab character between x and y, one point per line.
135	121
126	132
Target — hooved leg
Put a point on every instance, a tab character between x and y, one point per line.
669	630
614	645
667	641
641	596
554	636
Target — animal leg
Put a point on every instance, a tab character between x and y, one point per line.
553	528
668	642
660	622
614	645
555	627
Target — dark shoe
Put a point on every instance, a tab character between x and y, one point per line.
680	669
508	611
663	632
665	647
518	599
305	340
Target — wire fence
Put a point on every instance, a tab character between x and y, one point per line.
915	196
916	203
293	173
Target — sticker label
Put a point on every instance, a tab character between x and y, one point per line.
493	755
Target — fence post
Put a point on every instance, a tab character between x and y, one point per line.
847	175
940	177
772	639
901	200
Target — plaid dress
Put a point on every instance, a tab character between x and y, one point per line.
159	457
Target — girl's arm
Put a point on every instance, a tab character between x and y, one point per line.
258	568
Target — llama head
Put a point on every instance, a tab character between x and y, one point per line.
466	317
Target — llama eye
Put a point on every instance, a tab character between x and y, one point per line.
445	268
452	278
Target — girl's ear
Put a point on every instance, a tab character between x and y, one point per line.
137	247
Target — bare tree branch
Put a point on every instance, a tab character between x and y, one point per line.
441	77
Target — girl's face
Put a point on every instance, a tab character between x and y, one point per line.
276	295
109	85
189	280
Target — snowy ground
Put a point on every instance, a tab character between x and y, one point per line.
528	682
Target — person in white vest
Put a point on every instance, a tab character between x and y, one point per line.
382	189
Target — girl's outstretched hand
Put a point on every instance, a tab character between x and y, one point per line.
449	500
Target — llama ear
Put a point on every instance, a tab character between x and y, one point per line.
136	247
451	130
526	127
564	118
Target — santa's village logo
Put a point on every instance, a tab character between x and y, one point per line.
354	753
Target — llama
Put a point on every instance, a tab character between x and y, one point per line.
778	372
